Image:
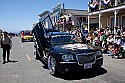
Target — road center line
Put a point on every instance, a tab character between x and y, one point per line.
21	45
28	57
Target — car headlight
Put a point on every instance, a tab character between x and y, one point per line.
98	53
67	57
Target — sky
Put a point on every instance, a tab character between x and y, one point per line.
17	15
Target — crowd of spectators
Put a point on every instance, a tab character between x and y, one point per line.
111	41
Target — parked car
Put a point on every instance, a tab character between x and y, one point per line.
62	53
26	35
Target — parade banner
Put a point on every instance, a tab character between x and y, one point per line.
106	2
94	4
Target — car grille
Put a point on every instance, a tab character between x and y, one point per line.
85	58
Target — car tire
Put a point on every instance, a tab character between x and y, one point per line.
52	66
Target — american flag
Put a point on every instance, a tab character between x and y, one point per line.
106	1
94	3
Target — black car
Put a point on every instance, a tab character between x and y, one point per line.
62	52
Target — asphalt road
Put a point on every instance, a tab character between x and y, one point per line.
23	68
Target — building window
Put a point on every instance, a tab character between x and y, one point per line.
84	19
123	20
80	18
112	21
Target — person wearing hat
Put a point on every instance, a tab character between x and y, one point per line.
6	44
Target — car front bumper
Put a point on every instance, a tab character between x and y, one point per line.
74	66
27	39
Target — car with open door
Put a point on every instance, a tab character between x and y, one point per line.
62	52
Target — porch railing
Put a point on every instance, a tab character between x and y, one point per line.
111	4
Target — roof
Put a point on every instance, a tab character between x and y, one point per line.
77	12
44	13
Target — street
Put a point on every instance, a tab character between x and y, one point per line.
23	68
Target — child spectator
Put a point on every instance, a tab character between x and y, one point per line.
105	47
121	53
110	50
88	39
115	51
103	37
96	40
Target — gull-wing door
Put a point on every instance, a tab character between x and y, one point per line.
39	32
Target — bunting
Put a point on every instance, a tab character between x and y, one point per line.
106	2
94	4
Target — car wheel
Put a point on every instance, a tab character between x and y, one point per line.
52	66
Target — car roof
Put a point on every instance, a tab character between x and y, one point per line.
26	31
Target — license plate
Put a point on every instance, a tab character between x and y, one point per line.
88	65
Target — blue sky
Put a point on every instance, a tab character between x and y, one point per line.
17	15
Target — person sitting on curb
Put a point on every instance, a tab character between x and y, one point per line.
121	53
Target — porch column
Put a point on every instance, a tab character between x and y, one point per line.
99	17
88	18
88	23
115	19
99	20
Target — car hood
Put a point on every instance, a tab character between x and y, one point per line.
27	36
77	48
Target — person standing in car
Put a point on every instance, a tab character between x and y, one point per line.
6	44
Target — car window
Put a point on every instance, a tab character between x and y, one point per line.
27	33
63	39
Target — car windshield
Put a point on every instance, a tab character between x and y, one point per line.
27	33
63	39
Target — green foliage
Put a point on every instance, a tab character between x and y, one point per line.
76	27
